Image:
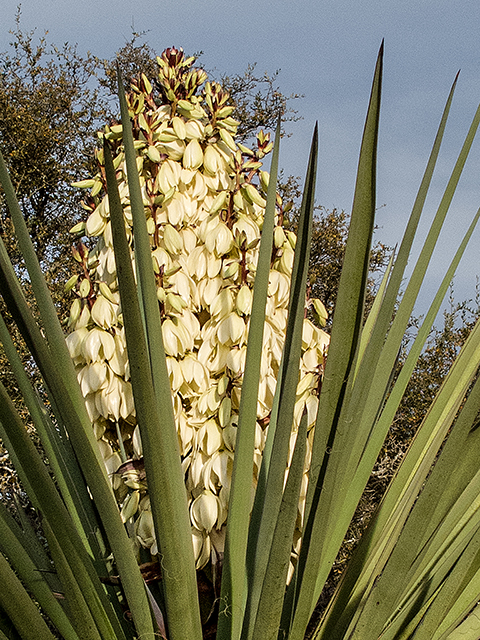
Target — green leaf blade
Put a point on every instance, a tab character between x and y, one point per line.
162	463
313	566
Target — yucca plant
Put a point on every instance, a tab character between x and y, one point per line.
203	196
415	571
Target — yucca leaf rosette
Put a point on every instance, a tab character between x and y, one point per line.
204	199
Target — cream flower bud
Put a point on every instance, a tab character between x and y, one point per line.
212	161
175	212
209	291
189	236
259	437
197	262
175	373
231	329
227	139
193	156
292	239
162	258
187	174
223	240
201	548
170	338
130	506
108	345
137	442
230	269
198	540
238	201
222	305
236	360
222	385
278	319
93	412
198	189
96	375
244	299
144	529
194	129
174	149
95	224
279	237
320	310
179	127
98	345
212	440
103	312
310	359
75	340
85	287
197	466
75	312
119	358
172	240
264	180
312	407
106	291
111	465
253	195
305	382
154	154
286	261
308	335
214	264
175	302
224	411
169	176
193	371
204	511
219	202
248	226
229	434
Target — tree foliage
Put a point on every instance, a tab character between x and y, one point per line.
432	367
258	101
48	117
330	230
133	59
436	360
49	114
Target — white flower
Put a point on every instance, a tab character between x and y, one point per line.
231	329
212	161
172	240
103	312
96	223
193	156
201	548
169	175
244	300
204	510
248	227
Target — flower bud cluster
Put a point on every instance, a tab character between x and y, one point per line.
204	198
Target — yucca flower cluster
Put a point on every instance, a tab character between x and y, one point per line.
204	198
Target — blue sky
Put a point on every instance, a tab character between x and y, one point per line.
325	50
